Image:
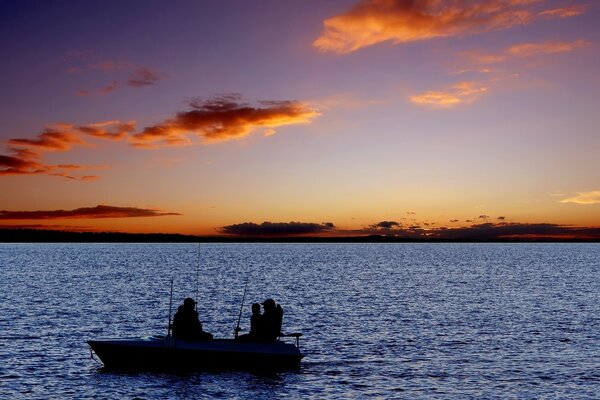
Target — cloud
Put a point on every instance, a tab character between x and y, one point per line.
374	21
385	225
27	153
550	47
100	211
459	93
143	76
223	118
219	119
45	227
523	50
113	130
564	12
491	231
110	65
51	139
277	228
124	74
100	92
586	198
17	166
482	231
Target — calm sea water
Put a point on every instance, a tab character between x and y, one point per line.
379	320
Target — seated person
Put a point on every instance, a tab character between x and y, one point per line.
256	326
272	318
186	325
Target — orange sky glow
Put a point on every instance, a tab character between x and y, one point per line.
350	117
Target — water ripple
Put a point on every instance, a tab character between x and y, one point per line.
388	321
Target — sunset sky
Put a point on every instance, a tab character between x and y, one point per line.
337	117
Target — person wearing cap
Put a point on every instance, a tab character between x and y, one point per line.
186	325
272	319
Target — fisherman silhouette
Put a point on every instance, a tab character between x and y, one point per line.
186	325
272	319
256	326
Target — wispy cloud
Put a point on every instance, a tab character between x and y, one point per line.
523	50
564	12
100	211
592	197
550	47
113	130
124	74
143	76
374	21
459	93
223	118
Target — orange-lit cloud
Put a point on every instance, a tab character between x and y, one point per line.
592	197
113	130
100	211
527	50
20	165
223	118
564	12
52	139
374	21
531	49
27	153
459	93
219	119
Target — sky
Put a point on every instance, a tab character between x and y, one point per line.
345	117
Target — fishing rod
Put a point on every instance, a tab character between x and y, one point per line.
237	328
197	276
170	309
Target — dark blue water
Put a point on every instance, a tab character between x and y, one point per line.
379	320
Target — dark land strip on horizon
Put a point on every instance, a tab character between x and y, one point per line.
50	236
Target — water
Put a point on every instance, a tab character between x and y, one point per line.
379	320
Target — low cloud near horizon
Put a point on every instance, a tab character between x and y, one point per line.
277	228
99	211
585	198
479	231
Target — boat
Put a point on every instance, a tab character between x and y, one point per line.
167	353
170	352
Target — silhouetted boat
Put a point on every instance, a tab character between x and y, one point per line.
163	352
169	353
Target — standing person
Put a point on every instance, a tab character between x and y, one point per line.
186	325
272	317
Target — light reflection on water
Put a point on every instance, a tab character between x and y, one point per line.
387	320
